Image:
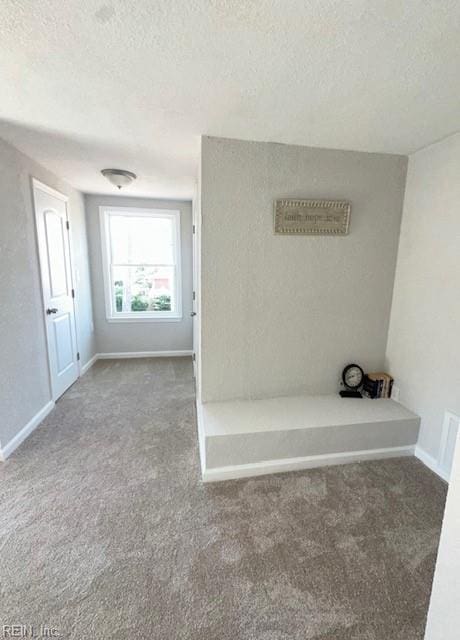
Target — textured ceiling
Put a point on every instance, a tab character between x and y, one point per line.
134	83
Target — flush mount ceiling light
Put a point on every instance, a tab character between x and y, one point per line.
119	177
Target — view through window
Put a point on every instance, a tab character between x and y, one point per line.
142	275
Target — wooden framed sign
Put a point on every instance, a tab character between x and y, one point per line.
312	217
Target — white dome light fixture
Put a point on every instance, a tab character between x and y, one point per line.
119	177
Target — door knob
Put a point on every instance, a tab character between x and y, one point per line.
50	311
193	313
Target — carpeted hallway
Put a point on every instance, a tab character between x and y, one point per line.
107	531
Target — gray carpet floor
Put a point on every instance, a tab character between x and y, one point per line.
107	532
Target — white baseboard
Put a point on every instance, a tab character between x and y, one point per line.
430	462
84	368
132	354
201	437
143	354
14	443
305	462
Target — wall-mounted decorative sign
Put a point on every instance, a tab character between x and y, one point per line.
312	217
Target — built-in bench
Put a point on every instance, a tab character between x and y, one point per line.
253	437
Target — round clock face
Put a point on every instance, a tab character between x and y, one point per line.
352	376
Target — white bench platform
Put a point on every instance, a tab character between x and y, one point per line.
245	438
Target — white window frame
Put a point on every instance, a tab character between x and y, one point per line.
139	316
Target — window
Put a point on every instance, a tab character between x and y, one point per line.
141	262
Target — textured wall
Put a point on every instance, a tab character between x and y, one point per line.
140	336
423	349
282	315
24	374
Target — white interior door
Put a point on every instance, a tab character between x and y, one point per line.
55	265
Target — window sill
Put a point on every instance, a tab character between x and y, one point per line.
136	320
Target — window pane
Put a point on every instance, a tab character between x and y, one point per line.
141	239
137	289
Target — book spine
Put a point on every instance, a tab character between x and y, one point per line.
370	387
378	385
390	387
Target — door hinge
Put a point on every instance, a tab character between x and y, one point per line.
78	355
73	293
193	296
193	357
193	228
67	224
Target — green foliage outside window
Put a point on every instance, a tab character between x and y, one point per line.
119	294
139	303
161	303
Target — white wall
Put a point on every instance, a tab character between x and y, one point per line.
423	351
24	373
283	315
444	612
114	337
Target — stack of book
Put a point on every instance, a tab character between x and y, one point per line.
377	385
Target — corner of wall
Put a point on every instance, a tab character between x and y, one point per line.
397	258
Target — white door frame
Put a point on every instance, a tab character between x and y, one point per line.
196	292
57	194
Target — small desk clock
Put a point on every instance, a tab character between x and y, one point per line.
352	378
